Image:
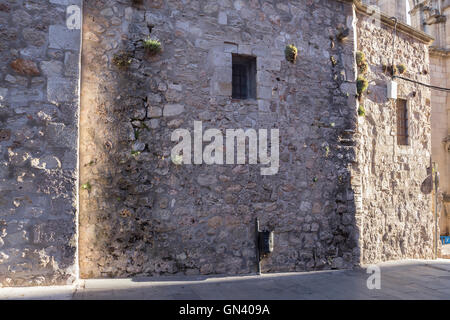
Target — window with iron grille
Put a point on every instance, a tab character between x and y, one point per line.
402	122
244	77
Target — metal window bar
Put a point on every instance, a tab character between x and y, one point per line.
240	88
402	122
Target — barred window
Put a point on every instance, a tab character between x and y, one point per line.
244	77
402	122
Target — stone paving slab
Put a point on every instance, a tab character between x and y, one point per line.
411	279
38	293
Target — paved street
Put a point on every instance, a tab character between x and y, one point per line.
411	279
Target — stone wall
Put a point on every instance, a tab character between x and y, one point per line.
394	212
142	214
440	131
344	193
437	24
39	62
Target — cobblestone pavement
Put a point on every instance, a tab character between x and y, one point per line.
410	279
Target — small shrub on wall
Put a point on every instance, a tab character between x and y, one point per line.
361	85
152	46
361	111
401	68
361	62
122	59
291	53
391	70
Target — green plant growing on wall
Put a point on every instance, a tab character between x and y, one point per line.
401	68
363	68
392	70
137	132
330	260
144	126
152	46
361	85
327	151
360	58
86	186
333	61
90	163
291	52
361	111
361	62
122	59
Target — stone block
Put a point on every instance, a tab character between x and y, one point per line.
263	106
264	92
61	90
154	112
66	2
222	18
62	135
218	58
107	12
25	67
173	110
221	88
34	37
20	97
69	160
52	68
9	78
3	93
230	48
245	49
60	37
264	78
47	162
71	64
152	124
268	64
153	18
182	25
206	180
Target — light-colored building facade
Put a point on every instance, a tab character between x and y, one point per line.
433	17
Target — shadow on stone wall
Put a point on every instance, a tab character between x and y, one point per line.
140	214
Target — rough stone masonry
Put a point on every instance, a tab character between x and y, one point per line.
345	194
39	104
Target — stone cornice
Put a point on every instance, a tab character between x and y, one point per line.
439	51
401	26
